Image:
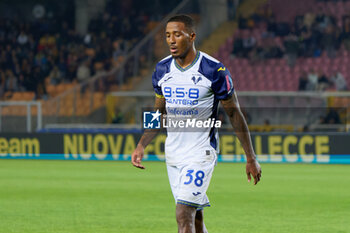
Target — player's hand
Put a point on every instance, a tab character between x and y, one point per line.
137	156
253	169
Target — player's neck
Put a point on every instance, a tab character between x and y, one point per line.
188	59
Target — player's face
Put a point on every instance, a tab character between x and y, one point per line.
179	38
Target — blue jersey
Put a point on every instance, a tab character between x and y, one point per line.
193	92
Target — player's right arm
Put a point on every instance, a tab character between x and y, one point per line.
147	136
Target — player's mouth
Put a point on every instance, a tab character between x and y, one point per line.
173	49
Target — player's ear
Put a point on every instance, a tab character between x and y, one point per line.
193	36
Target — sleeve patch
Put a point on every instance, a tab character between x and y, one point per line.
229	83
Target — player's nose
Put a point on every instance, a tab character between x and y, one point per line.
172	39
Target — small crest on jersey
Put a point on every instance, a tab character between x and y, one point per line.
196	80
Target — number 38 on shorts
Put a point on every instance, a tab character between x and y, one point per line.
196	177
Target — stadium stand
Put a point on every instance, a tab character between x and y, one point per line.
48	56
265	48
42	59
277	43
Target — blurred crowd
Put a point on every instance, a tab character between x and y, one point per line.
308	36
50	51
318	81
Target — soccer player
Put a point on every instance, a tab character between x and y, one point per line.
191	82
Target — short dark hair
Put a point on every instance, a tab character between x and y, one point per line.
186	19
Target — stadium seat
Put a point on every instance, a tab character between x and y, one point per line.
28	95
99	100
51	90
5	111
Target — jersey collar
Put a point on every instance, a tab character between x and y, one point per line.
189	66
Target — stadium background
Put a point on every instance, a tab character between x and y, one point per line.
75	77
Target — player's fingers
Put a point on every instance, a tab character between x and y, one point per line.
249	177
135	164
133	160
136	161
133	157
256	180
138	165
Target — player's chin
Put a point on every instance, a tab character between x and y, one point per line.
175	55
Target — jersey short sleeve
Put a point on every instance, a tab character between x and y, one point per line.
222	85
157	88
161	69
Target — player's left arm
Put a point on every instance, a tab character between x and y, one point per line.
240	126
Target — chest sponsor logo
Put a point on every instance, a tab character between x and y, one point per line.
181	95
